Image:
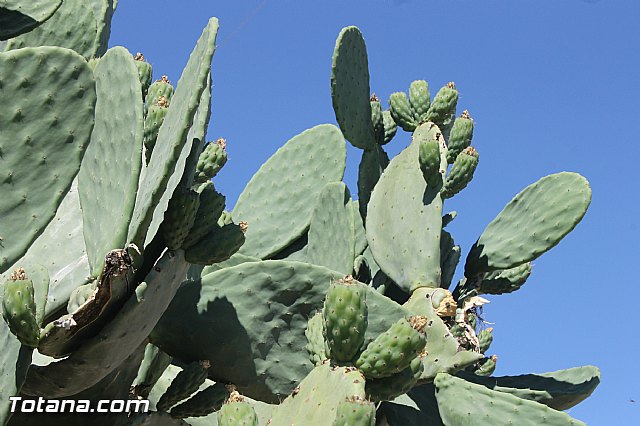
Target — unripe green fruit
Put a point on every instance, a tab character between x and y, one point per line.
401	111
429	158
506	280
237	412
377	119
345	319
460	136
355	412
443	108
461	173
152	122
179	217
315	339
392	351
144	72
211	160
389	388
19	309
419	99
487	366
390	127
158	88
209	210
485	337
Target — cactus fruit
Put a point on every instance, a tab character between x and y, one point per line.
505	281
390	126
486	366
19	308
345	319
443	108
401	111
377	119
152	122
461	172
355	411
161	87
209	210
420	100
184	384
211	160
179	217
460	136
485	337
237	412
315	339
429	157
392	351
144	71
389	388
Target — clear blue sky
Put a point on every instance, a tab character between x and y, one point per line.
552	85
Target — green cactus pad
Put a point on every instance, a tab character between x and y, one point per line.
442	111
460	136
15	360
355	412
64	258
350	88
404	219
103	10
533	222
463	403
166	165
401	111
100	355
45	127
449	258
358	229
315	339
505	281
419	99
155	418
17	17
345	319
108	178
461	172
559	390
316	400
73	26
389	388
443	354
372	164
429	158
250	321
331	230
212	159
217	246
237	412
300	170
184	384
202	403
211	206
416	407
394	350
154	363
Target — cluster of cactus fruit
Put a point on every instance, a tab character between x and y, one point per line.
299	306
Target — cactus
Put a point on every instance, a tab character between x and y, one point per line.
152	270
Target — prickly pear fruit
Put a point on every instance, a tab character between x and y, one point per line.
443	108
429	158
419	99
377	119
401	111
19	308
355	411
144	72
211	160
485	337
211	206
161	87
506	280
460	136
237	412
315	339
390	127
184	384
461	172
389	388
487	366
345	319
392	351
179	217
203	403
472	320
152	122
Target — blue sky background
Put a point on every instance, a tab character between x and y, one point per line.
552	85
